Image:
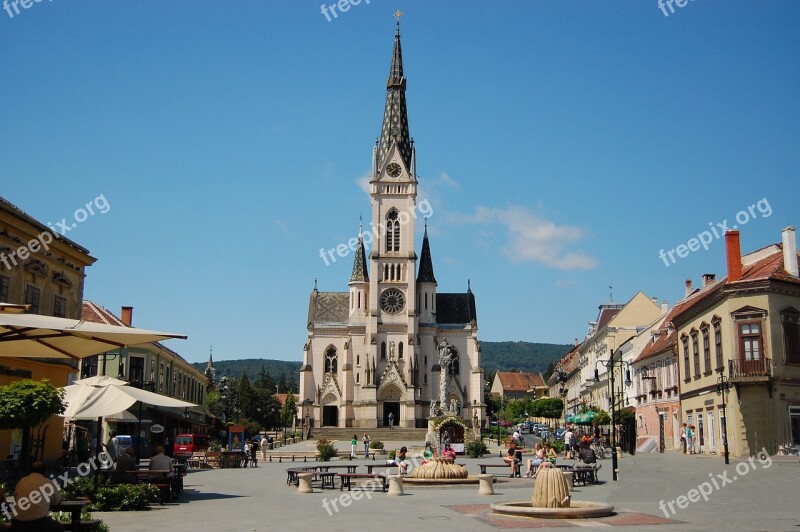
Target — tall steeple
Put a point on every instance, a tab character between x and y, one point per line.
360	272
395	116
425	262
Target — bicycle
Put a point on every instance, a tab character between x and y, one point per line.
599	450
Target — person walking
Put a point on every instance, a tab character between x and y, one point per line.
690	439
353	444
391	420
112	447
264	445
683	438
568	438
365	439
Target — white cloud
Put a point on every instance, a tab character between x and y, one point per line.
363	182
534	239
448	181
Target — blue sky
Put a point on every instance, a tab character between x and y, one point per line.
560	144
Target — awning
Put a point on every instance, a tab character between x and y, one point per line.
36	336
125	417
104	396
585	418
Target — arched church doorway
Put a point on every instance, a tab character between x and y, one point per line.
390	397
330	416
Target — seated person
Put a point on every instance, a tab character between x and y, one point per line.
586	456
550	454
125	464
33	512
512	459
448	453
400	460
536	461
161	462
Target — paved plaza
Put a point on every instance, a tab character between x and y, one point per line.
746	495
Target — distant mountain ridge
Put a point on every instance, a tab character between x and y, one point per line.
503	356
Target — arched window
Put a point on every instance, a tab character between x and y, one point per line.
425	378
400	351
383	350
454	365
358	378
358	360
392	231
331	360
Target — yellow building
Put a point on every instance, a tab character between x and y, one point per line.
746	326
46	272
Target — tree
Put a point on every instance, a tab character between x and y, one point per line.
548	371
266	408
246	395
283	384
210	384
25	404
289	410
264	379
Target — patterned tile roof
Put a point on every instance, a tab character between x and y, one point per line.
395	116
425	261
329	307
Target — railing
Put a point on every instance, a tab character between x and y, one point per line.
738	369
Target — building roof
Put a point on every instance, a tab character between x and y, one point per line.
95	313
519	382
425	262
607	314
394	130
18	213
662	341
360	271
765	264
456	308
329	308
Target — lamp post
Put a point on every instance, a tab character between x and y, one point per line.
611	365
149	386
723	388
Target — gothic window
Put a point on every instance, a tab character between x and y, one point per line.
426	300
400	351
425	378
383	350
331	359
392	231
358	360
358	378
454	365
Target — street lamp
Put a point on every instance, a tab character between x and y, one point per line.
150	386
611	365
723	388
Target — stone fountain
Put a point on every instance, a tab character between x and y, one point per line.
552	500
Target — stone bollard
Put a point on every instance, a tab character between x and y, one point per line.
304	483
486	486
395	484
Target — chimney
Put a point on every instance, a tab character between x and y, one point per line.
688	291
790	251
576	342
664	307
734	253
654	300
127	315
708	279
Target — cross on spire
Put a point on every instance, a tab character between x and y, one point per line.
397	15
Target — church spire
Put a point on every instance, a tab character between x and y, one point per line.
394	130
425	262
360	272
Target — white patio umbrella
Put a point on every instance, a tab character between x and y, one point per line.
36	336
103	396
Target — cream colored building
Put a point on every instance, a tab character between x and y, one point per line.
615	325
372	351
747	325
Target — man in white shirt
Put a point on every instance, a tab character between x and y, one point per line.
161	462
567	440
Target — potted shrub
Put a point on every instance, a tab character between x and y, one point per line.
377	446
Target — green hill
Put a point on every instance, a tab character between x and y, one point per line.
504	356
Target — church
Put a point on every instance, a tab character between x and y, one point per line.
372	352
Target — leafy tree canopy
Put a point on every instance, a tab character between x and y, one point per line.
28	403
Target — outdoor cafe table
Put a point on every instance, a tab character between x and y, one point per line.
74	508
350	468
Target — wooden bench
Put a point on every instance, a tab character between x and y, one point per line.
585	474
346	479
291	473
517	467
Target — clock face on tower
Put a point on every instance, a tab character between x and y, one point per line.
392	300
393	169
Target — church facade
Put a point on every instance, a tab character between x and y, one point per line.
372	352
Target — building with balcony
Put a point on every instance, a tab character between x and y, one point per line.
747	327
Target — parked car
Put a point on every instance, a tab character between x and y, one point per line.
145	449
186	444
